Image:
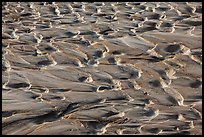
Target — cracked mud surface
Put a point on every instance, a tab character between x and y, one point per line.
101	68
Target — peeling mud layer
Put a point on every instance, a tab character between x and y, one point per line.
101	68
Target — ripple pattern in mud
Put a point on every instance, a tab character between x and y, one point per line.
101	68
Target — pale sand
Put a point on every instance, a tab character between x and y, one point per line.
102	68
